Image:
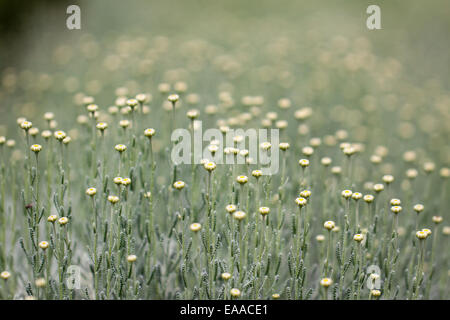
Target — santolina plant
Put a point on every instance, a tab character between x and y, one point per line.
220	194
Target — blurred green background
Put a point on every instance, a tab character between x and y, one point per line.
415	32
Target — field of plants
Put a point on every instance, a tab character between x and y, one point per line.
93	207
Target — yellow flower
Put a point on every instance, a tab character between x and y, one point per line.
305	194
173	98
226	276
264	210
210	166
421	235
301	202
396	209
239	215
126	181
395	202
375	292
113	199
36	148
52	218
40	282
418	208
118	180
242	179
150	132
195	227
26	125
346	194
131	258
369	198
5	275
284	146
329	225
378	187
120	147
102	126
63	220
231	208
358	237
437	219
266	145
257	173
179	185
276	296
235	293
326	282
43	245
60	135
303	163
91	191
356	196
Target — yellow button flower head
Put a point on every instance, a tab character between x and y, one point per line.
396	209
113	199
132	103
102	126
210	166
124	123
303	163
231	208
36	148
375	293
284	146
369	198
320	238
326	282
378	187
427	231
173	98
34	132
91	191
195	227
235	293
131	258
437	219
266	145
329	225
66	140
326	161
421	235
40	282
60	135
92	107
242	179
305	194
226	276
301	202
276	296
239	215
193	114
179	185
346	194
120	147
46	134
118	180
356	196
49	116
418	208
388	179
307	151
395	202
257	173
149	132
358	237
26	125
264	211
63	221
52	218
43	245
5	275
126	181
